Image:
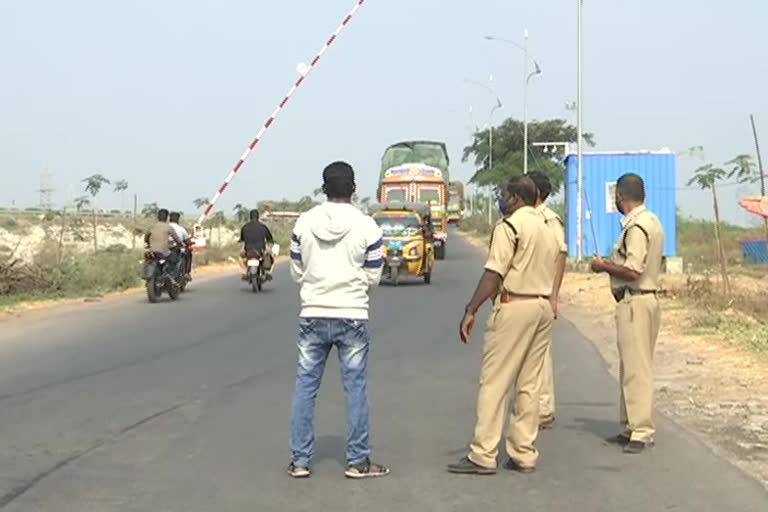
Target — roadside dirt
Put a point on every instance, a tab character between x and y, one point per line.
713	387
198	274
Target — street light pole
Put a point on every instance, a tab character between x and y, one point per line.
580	140
526	80
490	168
490	158
525	105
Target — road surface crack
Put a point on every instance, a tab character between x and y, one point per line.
23	488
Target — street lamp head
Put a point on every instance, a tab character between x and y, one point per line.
538	68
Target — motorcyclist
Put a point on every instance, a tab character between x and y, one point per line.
158	238
184	236
255	236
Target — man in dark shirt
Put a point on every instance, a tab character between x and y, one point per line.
256	236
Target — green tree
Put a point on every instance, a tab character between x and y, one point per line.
508	151
82	202
120	187
304	204
706	177
241	213
200	202
744	169
150	210
218	220
93	186
365	204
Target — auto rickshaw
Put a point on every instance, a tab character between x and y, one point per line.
408	242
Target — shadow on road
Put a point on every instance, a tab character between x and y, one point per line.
600	428
331	448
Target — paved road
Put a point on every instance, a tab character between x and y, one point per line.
185	407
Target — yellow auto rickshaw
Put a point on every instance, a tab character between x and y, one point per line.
408	242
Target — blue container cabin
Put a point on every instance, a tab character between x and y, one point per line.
601	170
755	251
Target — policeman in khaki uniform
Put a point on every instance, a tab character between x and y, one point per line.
555	224
519	276
634	269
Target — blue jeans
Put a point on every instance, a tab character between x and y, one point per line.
317	336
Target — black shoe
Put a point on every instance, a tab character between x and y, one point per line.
621	439
636	447
467	467
512	465
546	422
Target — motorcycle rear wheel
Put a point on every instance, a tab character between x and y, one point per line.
172	288
395	276
152	294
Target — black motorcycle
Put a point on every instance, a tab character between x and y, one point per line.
161	275
255	270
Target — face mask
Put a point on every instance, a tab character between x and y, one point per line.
503	205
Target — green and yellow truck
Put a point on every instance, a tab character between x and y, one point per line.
417	171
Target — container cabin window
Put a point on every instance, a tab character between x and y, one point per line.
610	197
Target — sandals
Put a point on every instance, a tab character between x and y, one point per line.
298	471
366	469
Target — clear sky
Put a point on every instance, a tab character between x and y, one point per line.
167	93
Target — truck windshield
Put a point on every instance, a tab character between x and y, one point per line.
417	153
395	194
427	195
398	225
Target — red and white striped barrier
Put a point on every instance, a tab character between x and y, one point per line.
303	70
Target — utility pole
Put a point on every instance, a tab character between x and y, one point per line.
46	190
580	141
762	172
133	234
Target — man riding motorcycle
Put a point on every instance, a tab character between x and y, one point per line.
187	243
256	236
158	238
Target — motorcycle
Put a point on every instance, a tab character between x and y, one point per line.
161	275
184	254
255	270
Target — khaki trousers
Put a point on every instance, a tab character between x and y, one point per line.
547	386
638	318
516	340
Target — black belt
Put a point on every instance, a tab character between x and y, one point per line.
507	297
619	293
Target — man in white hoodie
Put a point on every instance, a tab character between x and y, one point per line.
336	259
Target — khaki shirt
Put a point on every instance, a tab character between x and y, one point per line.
554	223
159	236
523	252
640	248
